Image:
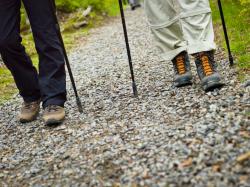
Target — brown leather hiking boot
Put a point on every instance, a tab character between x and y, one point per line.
53	115
29	111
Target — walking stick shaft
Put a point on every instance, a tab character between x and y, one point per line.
231	60
128	49
78	101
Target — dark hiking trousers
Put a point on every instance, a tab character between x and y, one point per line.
50	83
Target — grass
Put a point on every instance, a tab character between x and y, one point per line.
239	33
6	85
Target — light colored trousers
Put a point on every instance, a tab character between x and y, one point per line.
181	25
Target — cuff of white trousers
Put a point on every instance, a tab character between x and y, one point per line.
201	47
168	56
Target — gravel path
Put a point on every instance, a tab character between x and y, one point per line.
167	137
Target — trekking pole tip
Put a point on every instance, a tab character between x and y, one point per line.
231	60
135	89
79	105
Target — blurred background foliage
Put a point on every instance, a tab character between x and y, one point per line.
246	8
105	6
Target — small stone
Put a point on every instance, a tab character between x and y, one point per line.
244	157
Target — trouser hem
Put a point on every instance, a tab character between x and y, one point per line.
191	49
170	55
31	99
201	47
56	101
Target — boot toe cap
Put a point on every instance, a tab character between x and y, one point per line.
182	80
212	82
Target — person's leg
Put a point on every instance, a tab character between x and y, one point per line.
17	61
52	75
196	21
13	53
163	18
185	25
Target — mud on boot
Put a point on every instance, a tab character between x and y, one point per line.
207	71
53	115
29	111
182	69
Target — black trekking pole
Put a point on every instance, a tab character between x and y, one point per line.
231	60
58	32
128	49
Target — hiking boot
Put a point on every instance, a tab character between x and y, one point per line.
53	115
207	71
182	69
29	111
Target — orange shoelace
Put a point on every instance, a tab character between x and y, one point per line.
206	66
180	64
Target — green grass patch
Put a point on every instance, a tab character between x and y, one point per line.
6	85
237	20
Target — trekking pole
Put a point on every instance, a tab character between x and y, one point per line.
128	49
58	32
231	60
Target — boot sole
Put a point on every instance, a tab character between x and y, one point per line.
210	86
179	85
53	122
29	121
182	83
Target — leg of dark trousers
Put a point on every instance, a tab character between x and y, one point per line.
13	53
52	76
